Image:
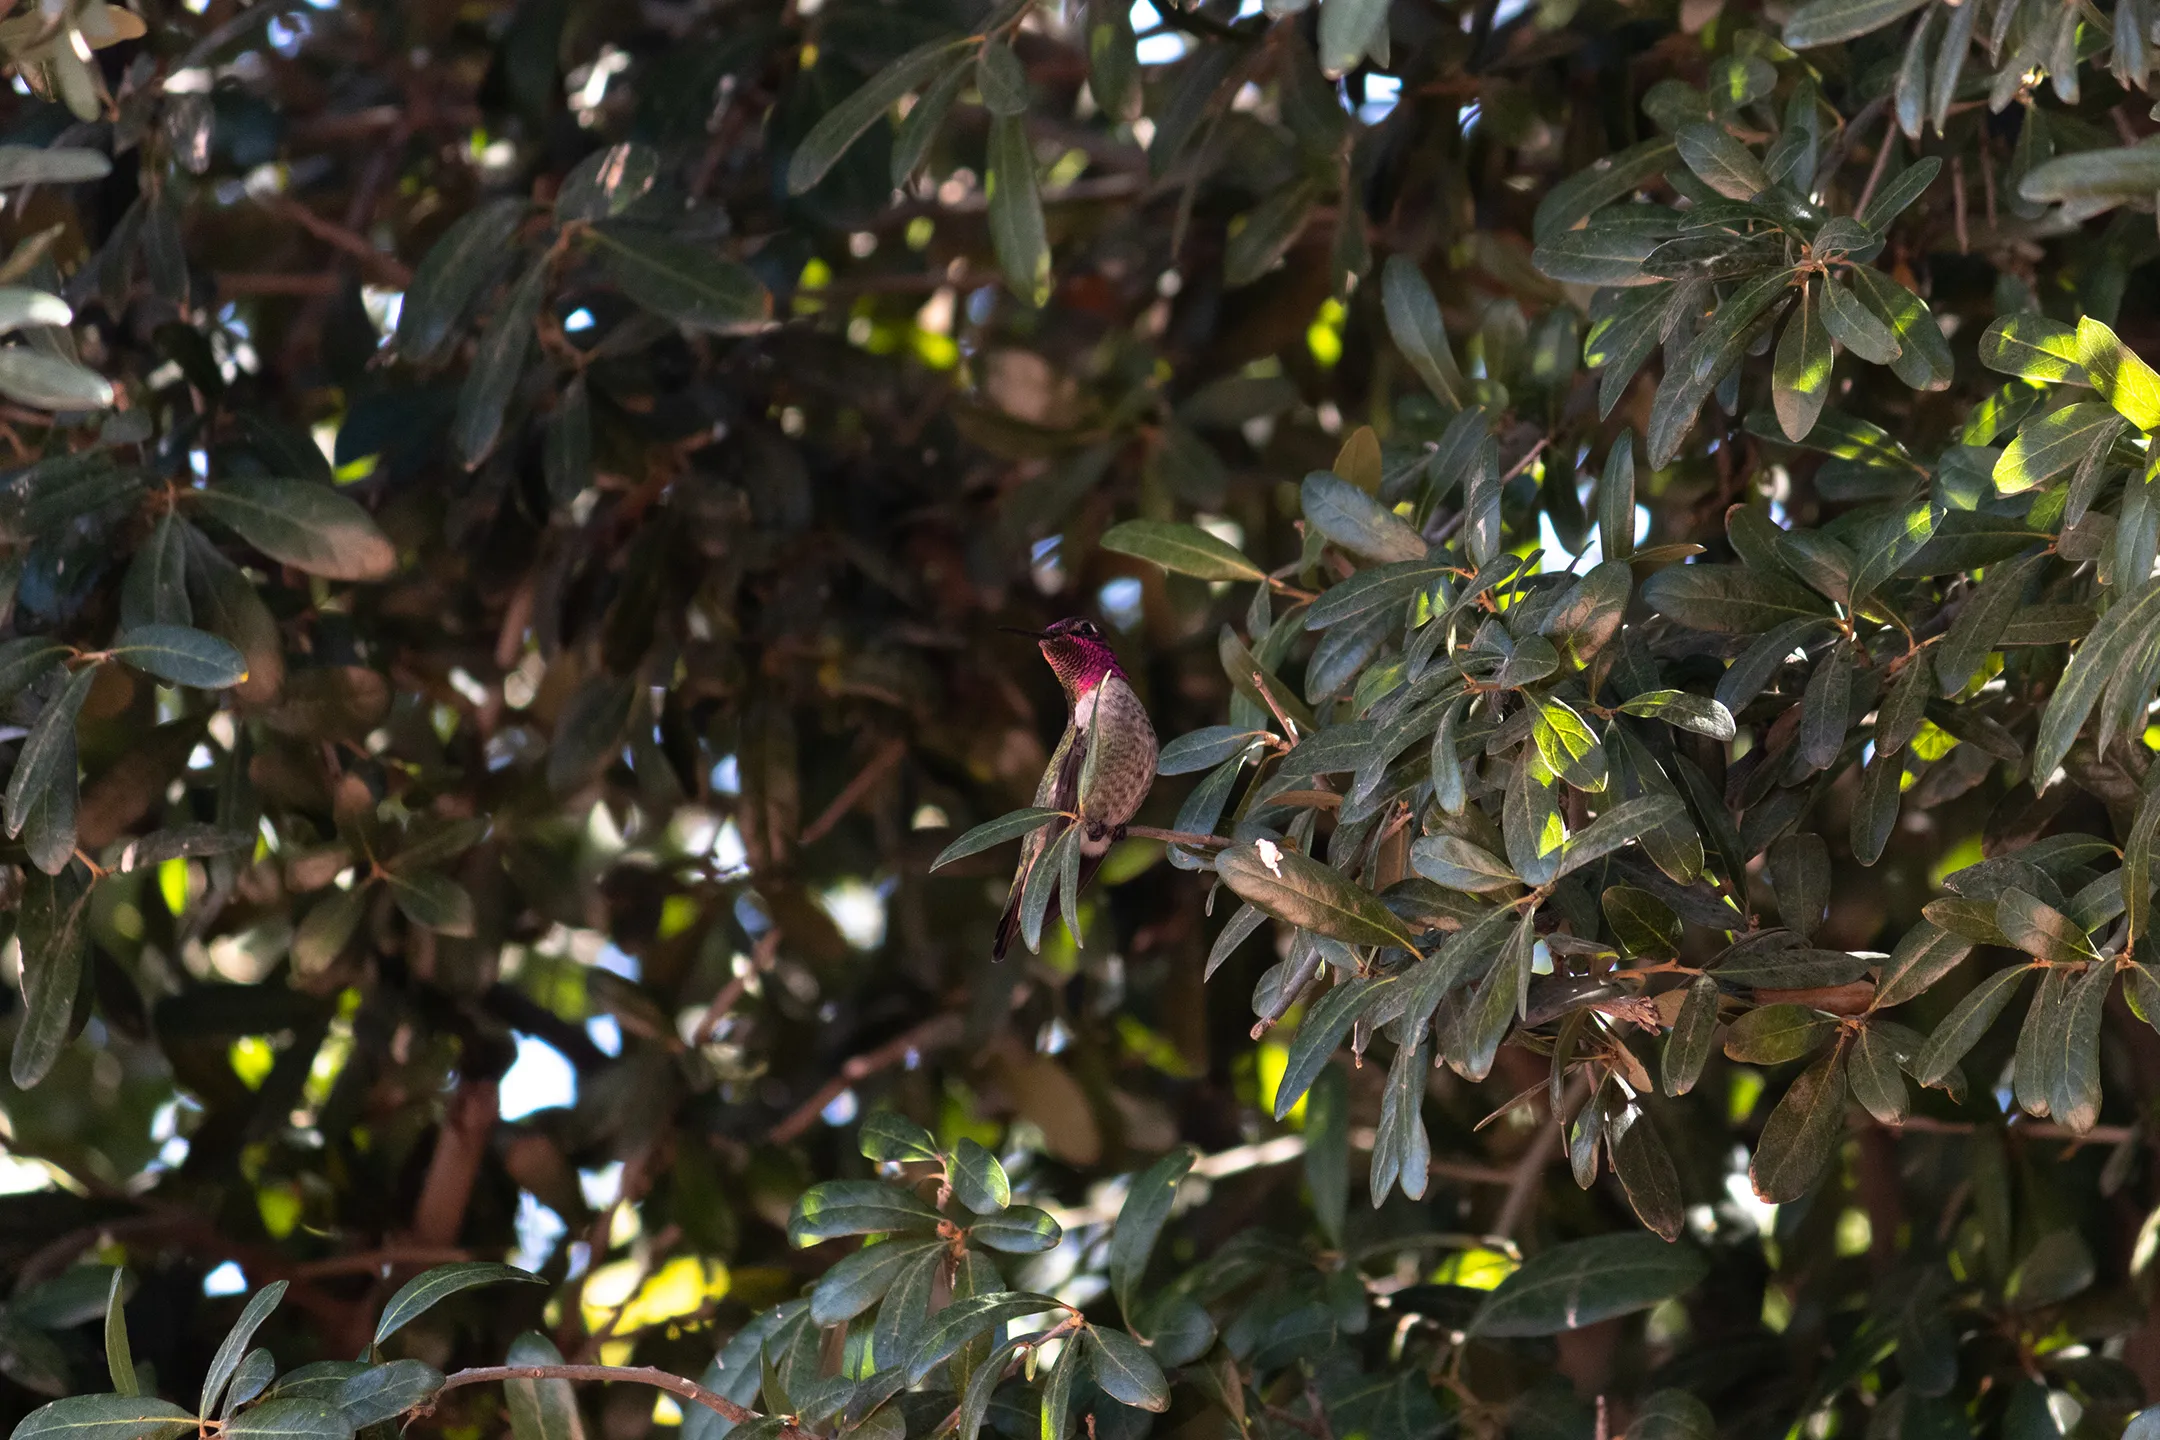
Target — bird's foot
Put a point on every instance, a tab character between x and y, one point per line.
1096	830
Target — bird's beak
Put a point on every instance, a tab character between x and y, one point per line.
1031	634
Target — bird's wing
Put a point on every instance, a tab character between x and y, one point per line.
1067	767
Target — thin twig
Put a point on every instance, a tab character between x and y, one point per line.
1957	206
887	756
1175	837
627	1374
761	960
932	1034
387	267
1882	161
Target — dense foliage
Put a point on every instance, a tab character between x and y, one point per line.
1636	524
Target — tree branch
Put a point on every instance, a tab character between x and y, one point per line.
938	1030
626	1374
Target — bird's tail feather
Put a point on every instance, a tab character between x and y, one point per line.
1008	926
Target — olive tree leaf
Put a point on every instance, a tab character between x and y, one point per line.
1184	549
1802	1133
991	833
305	525
844	124
182	655
1962	1028
688	283
1413	319
105	1417
1580	1282
1140	1222
1303	892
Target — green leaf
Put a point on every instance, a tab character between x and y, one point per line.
1892	198
1608	179
51	165
1684	711
1923	360
1140	1223
1672	1415
433	900
1327	1150
384	1392
235	1344
1962	1028
1730	599
1021	1230
23	661
1693	1036
52	922
307	526
844	124
181	655
688	283
606	183
2040	930
119	1355
45	382
889	1135
860	1280
1126	1371
1802	1134
1616	499
1600	254
1413	319
1852	325
547	1409
1009	826
1182	549
2035	348
2092	181
1358	522
2123	380
1017	232
105	1417
1774	1034
1320	1032
46	763
22	308
1578	1283
855	1207
424	1291
1204	749
1000	78
1828	22
1456	863
1876	1079
1042	884
2051	444
964	1319
498	365
1722	163
1258	238
1981	621
451	276
1056	1407
1646	1172
977	1178
2094	664
1615	827
1800	379
1924	954
1307	894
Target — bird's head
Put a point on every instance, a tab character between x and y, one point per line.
1077	652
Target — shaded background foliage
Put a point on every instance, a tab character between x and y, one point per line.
624	535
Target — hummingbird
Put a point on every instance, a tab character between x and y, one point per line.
1103	765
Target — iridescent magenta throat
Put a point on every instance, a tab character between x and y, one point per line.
1080	664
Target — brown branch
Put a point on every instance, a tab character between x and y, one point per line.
761	960
1175	837
388	268
937	1031
460	1146
375	1260
626	1374
887	756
